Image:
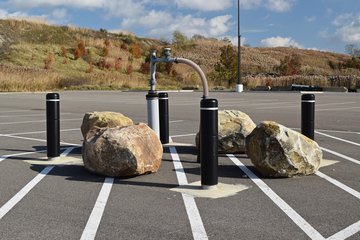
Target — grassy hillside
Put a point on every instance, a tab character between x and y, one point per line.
39	57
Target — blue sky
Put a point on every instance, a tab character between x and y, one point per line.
310	24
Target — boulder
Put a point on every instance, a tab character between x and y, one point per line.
233	128
103	119
122	151
277	151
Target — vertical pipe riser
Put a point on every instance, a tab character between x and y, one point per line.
53	125
153	111
164	117
209	142
308	115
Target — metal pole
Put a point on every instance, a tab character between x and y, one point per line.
308	115
152	99
209	142
239	86
164	117
53	125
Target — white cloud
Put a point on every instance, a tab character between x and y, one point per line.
189	25
348	27
56	3
279	5
310	19
204	5
125	8
113	8
5	14
234	40
150	20
280	42
272	5
59	13
249	4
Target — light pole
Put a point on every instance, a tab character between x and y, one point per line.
239	86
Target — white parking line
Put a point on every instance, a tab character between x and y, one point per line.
39	121
12	111
3	157
28	187
337	131
331	104
334	131
30	115
340	155
337	138
336	109
339	184
290	212
29	133
93	222
346	232
37	139
176	121
196	223
184	135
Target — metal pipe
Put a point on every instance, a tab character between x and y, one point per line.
209	142
53	125
239	46
308	115
164	117
199	71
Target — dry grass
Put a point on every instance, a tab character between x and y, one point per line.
350	82
26	45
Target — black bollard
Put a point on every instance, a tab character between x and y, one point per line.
209	142
53	125
164	117
308	115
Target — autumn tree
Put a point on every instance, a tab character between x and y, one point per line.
135	50
226	67
290	65
48	61
80	51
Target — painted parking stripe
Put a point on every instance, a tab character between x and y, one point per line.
176	121
337	138
37	139
290	212
28	187
196	223
184	135
93	222
338	131
334	131
29	115
39	121
339	184
36	132
341	155
346	232
3	157
12	111
336	109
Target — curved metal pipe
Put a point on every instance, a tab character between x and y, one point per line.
199	71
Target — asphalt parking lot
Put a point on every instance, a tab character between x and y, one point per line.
40	201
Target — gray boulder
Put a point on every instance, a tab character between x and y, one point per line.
277	151
104	119
233	127
122	151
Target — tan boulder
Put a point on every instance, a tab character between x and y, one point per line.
277	151
103	119
122	151
233	128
